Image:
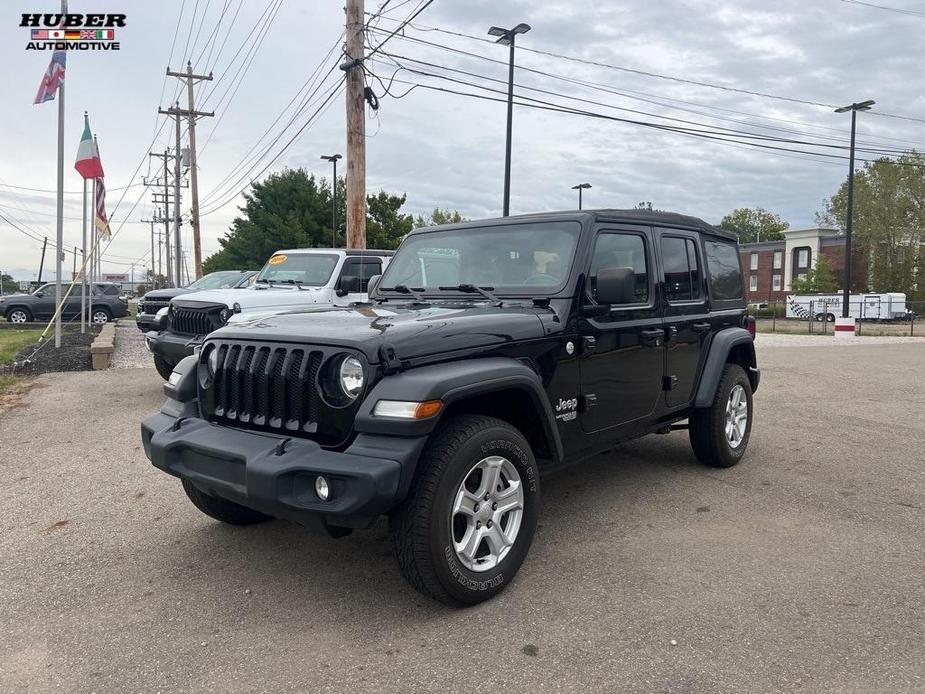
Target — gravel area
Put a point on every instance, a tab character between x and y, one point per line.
73	355
131	352
784	340
798	571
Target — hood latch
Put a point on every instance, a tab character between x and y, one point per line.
390	362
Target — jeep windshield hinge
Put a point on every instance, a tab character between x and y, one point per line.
390	362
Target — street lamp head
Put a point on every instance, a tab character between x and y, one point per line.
506	36
581	186
331	157
862	106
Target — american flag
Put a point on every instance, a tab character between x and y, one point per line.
52	78
102	223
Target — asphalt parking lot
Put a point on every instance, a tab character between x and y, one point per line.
800	570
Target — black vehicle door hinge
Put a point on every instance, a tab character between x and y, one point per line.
390	362
669	382
588	344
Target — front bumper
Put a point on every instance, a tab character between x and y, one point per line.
170	346
366	480
146	322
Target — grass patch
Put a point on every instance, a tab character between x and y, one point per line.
9	384
11	341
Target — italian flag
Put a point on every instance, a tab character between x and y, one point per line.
88	162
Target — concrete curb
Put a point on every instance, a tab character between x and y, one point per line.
103	346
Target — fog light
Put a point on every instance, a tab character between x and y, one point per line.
321	488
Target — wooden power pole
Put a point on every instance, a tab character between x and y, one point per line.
356	126
191	113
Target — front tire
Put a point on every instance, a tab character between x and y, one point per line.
19	315
222	509
467	524
719	434
101	316
164	367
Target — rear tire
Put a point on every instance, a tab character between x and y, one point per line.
222	509
716	436
164	367
453	536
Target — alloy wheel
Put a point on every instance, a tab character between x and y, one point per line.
487	513
18	317
736	416
100	317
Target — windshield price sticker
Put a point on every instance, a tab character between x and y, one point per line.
278	260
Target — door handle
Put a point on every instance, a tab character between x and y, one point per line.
653	337
701	327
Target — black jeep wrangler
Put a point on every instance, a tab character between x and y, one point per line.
490	353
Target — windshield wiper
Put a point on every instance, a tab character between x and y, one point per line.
265	281
416	292
297	283
474	289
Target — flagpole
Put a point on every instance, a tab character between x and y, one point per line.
60	221
93	242
83	268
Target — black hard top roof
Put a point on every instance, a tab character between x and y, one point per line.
346	251
670	219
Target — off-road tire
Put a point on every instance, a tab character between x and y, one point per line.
222	509
19	309
164	367
707	425
420	527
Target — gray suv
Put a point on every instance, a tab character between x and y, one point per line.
40	304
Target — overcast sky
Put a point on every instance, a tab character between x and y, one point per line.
447	150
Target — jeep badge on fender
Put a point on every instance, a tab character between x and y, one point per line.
442	400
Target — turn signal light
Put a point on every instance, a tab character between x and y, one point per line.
402	409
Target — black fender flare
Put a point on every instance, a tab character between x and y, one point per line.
720	346
451	382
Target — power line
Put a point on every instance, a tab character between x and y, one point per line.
643	73
425	4
914	13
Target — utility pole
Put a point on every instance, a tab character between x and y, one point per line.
165	157
153	270
846	292
356	125
191	113
506	37
42	261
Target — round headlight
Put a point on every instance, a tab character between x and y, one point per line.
224	315
212	361
351	377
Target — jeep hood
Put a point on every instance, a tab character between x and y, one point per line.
258	299
411	331
164	294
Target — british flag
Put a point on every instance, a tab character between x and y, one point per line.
52	78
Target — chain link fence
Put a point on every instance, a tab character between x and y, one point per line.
817	317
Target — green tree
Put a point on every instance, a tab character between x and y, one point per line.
643	205
8	284
821	279
754	224
292	209
888	223
439	217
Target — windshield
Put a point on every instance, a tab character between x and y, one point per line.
312	270
527	259
217	280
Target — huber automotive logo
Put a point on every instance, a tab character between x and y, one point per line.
72	32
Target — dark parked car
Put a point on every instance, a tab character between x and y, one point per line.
156	299
491	352
108	303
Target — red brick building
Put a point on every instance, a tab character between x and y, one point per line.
769	267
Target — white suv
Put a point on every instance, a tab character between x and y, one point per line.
291	279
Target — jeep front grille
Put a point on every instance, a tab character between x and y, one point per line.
152	306
267	387
194	321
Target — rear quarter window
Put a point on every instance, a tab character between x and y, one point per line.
724	269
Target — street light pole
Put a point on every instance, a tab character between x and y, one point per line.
853	108
333	159
581	187
506	37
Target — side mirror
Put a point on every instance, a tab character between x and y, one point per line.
615	285
348	284
373	283
40	294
